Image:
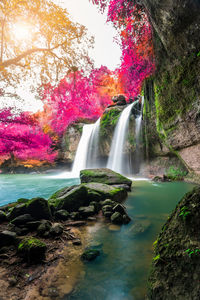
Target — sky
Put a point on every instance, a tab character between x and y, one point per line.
106	52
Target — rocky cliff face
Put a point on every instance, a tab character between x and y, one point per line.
173	94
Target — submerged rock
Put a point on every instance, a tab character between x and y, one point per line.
90	254
105	176
139	227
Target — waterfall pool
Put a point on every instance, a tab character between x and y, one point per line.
120	272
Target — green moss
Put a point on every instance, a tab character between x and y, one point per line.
108	121
29	243
157	257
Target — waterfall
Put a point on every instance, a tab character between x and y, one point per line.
115	161
82	150
93	147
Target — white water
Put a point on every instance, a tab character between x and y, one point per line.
115	161
93	147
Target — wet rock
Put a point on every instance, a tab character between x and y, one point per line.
62	215
3	216
70	200
126	219
22	200
94	196
105	176
123	186
33	225
32	249
23	219
97	206
39	209
117	218
90	254
87	211
107	208
107	214
7	238
56	229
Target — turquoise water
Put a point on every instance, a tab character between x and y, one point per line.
13	187
120	273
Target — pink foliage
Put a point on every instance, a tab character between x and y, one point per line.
22	136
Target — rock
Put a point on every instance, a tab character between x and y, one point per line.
107	214
32	249
107	208
107	191
92	219
126	219
39	209
70	200
94	196
139	227
123	186
16	211
23	219
62	215
158	179
77	242
117	218
87	211
119	208
108	202
33	225
22	200
44	228
7	238
75	215
3	216
56	229
96	205
95	245
103	175
119	100
90	254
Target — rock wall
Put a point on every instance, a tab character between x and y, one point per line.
172	95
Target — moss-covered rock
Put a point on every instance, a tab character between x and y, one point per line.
17	210
175	267
103	175
70	200
32	249
117	218
39	209
107	191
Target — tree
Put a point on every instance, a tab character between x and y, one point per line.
22	137
38	37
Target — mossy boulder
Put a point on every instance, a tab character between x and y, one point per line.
175	267
107	191
70	200
23	219
39	209
62	215
105	176
117	218
32	249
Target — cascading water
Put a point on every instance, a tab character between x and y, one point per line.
82	150
116	157
93	147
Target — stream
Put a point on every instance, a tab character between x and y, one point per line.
121	271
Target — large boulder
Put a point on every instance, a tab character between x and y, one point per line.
39	209
16	211
70	199
107	191
105	176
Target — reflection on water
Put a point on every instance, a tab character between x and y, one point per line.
120	272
